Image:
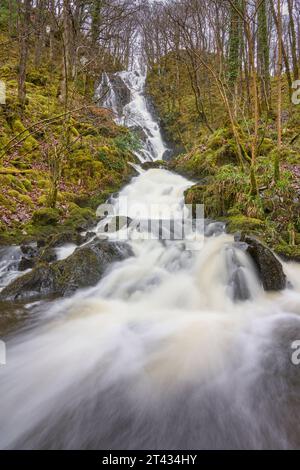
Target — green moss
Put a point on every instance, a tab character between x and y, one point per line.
111	159
43	183
37	77
129	142
219	138
266	147
80	217
13	193
6	202
18	126
46	216
29	143
240	223
27	184
288	252
42	200
74	131
22	198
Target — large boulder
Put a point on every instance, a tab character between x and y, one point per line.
122	92
84	268
269	267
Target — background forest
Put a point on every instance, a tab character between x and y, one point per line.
222	75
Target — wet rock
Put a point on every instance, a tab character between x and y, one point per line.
168	155
213	228
26	263
154	165
269	267
84	268
122	95
88	236
48	255
29	251
64	238
121	90
42	242
140	133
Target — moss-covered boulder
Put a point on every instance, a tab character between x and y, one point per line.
158	164
63	238
240	223
46	216
269	267
84	268
81	218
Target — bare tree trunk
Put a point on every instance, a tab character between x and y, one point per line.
52	27
283	50
65	54
279	92
11	24
254	142
39	32
24	12
293	39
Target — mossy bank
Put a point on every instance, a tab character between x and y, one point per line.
56	167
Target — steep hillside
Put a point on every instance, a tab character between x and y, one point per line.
210	158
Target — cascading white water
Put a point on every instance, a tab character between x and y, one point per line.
162	353
135	114
9	261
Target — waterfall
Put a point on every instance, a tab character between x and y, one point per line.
178	347
135	113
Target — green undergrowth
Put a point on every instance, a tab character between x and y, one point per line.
224	189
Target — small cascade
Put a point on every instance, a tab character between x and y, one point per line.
10	258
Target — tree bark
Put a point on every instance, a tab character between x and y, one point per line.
24	11
279	92
293	39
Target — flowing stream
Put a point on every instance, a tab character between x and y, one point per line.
165	352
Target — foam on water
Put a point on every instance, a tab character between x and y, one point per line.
159	354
